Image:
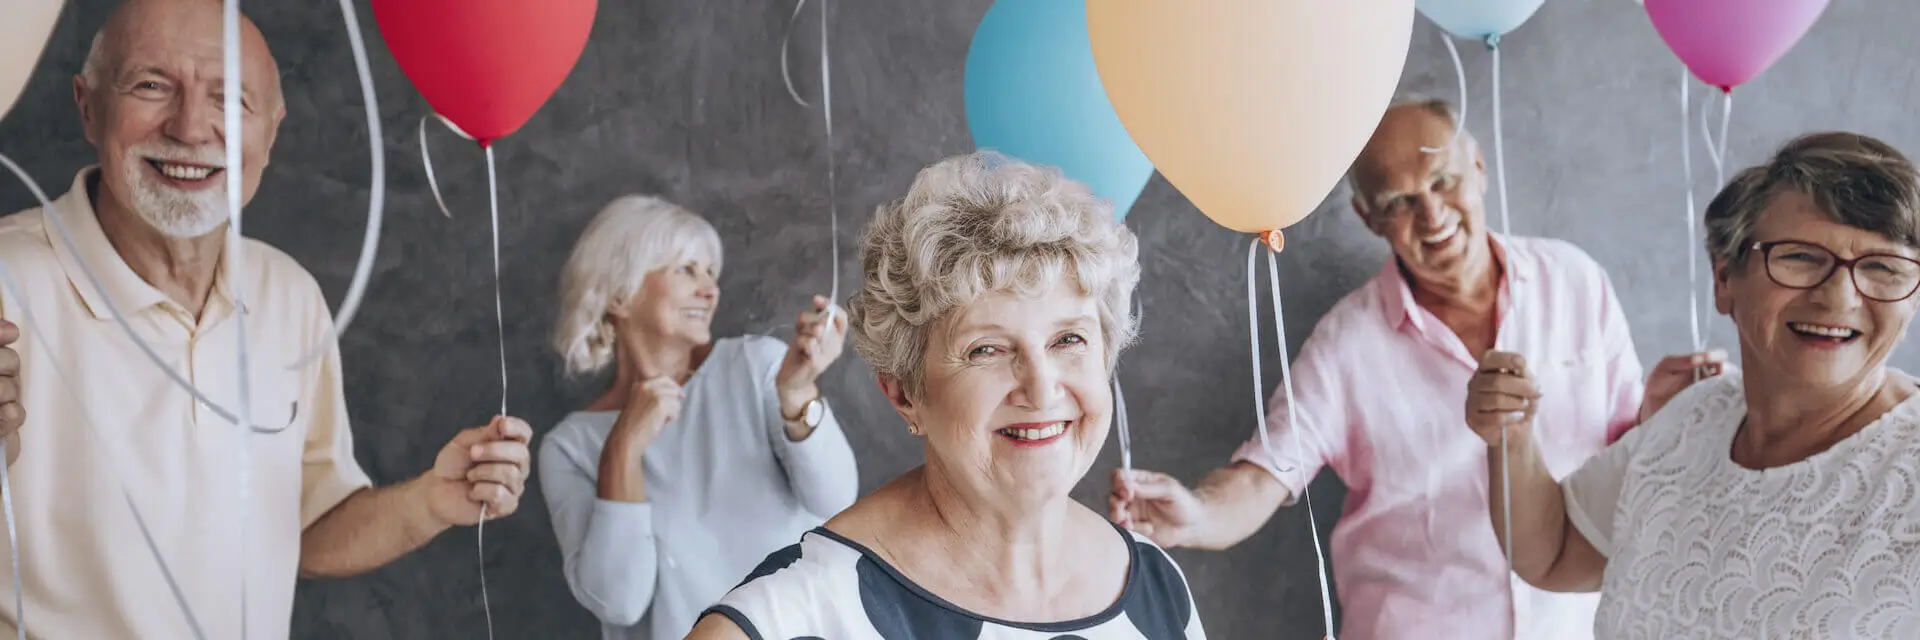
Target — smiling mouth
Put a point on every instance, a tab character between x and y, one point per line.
696	314
184	172
1441	237
1825	333
1035	433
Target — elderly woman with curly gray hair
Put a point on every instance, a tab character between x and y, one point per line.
994	302
1781	502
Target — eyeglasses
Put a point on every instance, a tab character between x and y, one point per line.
1879	277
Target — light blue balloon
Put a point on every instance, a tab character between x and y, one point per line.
1033	93
1478	19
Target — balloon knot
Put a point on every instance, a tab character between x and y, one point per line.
1727	89
1275	240
1493	41
484	143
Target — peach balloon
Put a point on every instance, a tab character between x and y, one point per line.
1252	108
23	34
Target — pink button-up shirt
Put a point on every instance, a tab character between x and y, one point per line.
1382	388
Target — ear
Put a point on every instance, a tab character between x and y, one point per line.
896	393
1360	211
1723	287
80	93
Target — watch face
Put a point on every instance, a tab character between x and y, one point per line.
815	410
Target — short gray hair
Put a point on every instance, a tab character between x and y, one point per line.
978	223
631	237
1436	106
90	69
1856	180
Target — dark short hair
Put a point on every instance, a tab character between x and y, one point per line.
1856	180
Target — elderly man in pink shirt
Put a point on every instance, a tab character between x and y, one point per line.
1413	555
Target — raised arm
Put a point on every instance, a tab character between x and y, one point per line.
818	461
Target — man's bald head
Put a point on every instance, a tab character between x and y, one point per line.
152	100
1411	124
121	32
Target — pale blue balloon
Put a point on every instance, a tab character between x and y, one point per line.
1478	19
1033	93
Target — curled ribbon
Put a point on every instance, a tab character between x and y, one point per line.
1460	72
1274	241
826	111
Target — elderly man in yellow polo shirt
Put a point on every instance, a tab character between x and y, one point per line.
150	222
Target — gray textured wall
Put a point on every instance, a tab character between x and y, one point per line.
683	98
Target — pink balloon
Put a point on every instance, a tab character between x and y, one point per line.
1728	42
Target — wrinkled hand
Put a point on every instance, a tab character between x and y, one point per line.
12	415
1157	506
652	404
1501	397
818	338
1675	373
480	466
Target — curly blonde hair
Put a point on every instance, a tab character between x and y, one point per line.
979	223
631	237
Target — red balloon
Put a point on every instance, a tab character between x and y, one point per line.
485	65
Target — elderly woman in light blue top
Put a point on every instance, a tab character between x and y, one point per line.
702	456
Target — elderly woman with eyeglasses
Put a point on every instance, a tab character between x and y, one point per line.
993	304
1782	502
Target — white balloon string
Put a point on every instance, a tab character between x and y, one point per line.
1713	149
786	76
1692	222
13	547
236	288
500	325
1499	150
426	158
1513	301
99	442
1719	169
1286	384
1460	72
833	196
826	112
376	199
1120	422
1253	350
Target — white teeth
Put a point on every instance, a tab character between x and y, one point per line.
1823	330
694	313
1042	433
1442	236
183	172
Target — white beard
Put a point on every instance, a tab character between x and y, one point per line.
174	213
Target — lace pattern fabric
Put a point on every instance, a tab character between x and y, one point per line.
1828	547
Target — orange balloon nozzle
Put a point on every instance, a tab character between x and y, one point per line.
1275	240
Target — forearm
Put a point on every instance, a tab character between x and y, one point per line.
819	465
1239	500
367	530
622	478
1539	510
612	567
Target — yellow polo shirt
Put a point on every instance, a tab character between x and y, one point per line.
86	571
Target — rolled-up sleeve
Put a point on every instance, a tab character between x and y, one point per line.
607	547
328	471
1295	451
1592	492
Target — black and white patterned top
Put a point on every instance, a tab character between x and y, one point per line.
830	588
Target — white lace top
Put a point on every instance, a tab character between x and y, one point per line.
1700	547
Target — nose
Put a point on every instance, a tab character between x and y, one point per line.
708	287
1838	291
1432	212
197	119
1038	387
